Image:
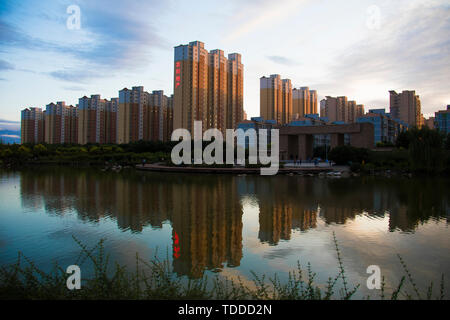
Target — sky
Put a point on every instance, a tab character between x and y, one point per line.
357	48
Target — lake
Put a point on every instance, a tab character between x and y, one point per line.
230	225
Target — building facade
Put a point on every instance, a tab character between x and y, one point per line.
442	120
406	107
304	102
276	99
60	123
91	120
208	87
339	109
32	125
386	129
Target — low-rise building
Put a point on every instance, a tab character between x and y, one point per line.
386	129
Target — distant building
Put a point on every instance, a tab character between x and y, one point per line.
340	110
91	120
442	120
111	110
61	123
32	125
275	98
144	116
429	122
255	123
386	129
309	120
406	106
304	101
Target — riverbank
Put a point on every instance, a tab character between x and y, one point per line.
231	170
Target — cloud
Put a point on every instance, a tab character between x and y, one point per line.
9	125
410	51
10	136
263	12
74	88
4	65
281	60
73	75
114	35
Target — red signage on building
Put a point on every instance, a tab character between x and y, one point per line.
178	73
176	246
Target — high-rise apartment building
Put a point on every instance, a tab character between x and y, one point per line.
168	125
32	125
276	100
157	117
111	110
235	102
132	114
59	123
190	86
359	111
71	125
270	97
406	106
135	115
143	116
339	109
208	87
217	90
91	120
286	101
304	102
323	107
313	101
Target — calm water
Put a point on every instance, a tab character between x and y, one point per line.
230	225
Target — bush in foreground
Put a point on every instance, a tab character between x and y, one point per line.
155	280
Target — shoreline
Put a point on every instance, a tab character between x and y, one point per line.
235	170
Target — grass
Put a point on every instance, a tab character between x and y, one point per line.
154	279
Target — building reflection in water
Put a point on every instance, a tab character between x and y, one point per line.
205	211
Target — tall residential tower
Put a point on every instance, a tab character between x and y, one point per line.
208	87
405	106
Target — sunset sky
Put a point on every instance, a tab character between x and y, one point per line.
358	48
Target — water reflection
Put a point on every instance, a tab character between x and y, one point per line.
206	211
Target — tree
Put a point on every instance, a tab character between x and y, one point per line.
348	154
39	150
426	149
403	140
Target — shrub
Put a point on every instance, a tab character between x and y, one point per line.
344	155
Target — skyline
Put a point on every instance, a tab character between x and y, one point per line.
97	59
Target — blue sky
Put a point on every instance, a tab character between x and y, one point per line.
358	48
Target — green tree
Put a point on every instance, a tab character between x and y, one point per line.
447	142
39	150
403	140
426	149
347	154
